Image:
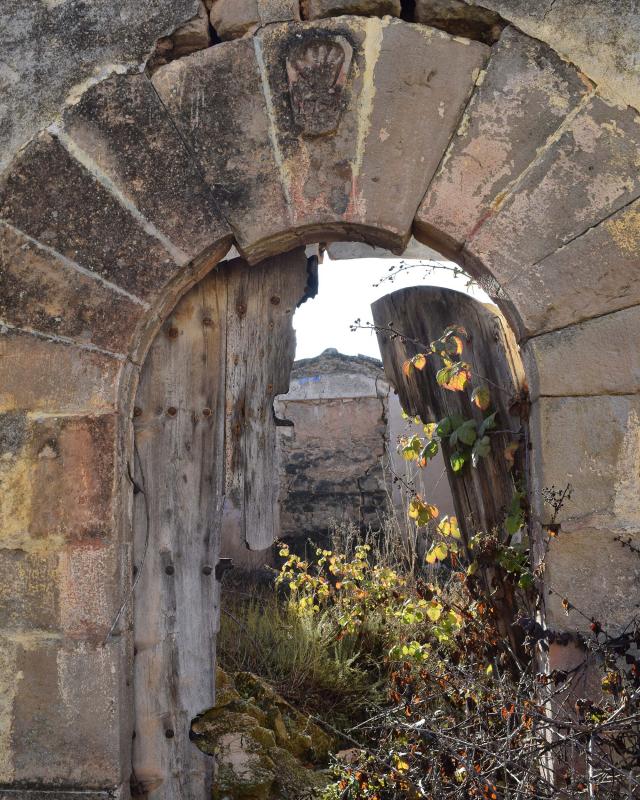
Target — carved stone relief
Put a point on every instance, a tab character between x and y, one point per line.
317	70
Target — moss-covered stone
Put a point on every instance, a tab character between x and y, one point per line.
264	748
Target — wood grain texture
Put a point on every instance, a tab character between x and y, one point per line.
205	454
481	495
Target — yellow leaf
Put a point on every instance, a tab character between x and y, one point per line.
434	611
420	361
449	527
510	452
481	397
407	369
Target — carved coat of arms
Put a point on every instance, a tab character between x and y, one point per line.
317	70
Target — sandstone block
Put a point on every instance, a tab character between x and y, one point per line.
523	98
592	443
29	589
52	198
232	19
66	715
128	135
460	18
47	376
316	9
42	291
248	191
58	475
600	356
193	35
588	174
594	274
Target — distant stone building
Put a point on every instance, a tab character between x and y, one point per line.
338	452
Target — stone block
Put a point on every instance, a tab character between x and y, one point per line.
41	375
58	476
248	191
42	291
589	173
89	589
594	274
232	19
524	96
600	356
460	18
593	443
128	136
597	575
284	108
28	590
415	110
49	196
66	714
316	9
193	35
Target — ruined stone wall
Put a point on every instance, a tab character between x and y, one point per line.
332	455
517	158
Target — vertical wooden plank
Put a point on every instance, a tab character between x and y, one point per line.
204	428
260	354
179	434
481	495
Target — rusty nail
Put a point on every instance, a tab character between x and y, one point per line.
169	733
171	411
241	309
169	569
206	412
137	411
207	322
173	333
269	387
275	300
207	570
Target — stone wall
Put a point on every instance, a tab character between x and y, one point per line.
506	156
332	456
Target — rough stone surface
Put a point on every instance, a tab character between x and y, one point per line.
53	51
460	18
54	377
332	457
248	190
601	38
232	19
46	293
597	273
58	476
52	198
189	38
264	748
523	98
593	443
588	174
64	719
125	133
316	9
596	357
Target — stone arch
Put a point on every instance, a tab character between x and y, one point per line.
505	157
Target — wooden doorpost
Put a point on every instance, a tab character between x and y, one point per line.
204	444
481	495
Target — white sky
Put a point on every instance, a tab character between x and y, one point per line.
346	292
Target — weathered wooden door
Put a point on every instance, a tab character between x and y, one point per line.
205	449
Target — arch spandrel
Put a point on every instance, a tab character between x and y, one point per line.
141	188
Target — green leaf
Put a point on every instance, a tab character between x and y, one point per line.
444	427
515	518
466	433
430	450
457	461
481	449
487	424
